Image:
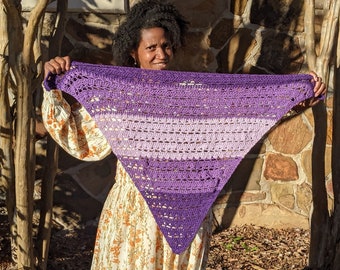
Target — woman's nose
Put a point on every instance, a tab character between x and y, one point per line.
161	53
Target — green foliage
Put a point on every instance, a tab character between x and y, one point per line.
238	243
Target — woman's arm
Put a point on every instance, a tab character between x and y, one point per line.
67	121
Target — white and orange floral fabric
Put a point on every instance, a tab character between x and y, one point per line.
128	237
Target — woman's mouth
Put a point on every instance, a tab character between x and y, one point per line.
161	65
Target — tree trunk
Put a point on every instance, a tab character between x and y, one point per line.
46	211
6	124
44	233
334	250
319	217
22	66
333	256
24	180
324	228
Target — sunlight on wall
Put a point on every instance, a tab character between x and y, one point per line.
107	6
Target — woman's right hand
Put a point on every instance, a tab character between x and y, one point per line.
57	65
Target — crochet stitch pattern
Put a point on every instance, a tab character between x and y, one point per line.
181	135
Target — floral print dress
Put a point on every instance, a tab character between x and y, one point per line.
128	236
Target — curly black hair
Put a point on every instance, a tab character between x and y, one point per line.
147	14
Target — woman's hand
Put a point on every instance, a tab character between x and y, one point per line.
57	65
319	89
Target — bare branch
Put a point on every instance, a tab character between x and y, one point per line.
31	31
310	33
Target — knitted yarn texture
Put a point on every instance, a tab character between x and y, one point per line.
181	135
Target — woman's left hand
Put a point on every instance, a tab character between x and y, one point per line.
319	88
319	91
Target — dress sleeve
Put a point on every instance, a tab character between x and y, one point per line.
73	128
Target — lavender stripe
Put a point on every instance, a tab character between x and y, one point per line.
180	139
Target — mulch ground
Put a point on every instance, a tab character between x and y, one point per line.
252	247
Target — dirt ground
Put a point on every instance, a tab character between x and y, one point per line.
75	222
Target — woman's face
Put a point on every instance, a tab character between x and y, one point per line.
154	50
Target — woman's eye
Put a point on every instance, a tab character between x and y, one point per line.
167	46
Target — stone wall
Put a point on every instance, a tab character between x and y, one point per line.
272	186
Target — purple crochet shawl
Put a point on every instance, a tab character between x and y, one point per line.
181	135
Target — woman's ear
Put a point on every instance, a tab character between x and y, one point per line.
134	56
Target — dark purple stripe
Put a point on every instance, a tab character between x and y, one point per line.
179	225
161	93
167	176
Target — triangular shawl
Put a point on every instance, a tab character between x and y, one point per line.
181	135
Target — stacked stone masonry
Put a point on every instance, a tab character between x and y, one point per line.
272	186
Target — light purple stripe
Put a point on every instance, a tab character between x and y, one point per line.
181	139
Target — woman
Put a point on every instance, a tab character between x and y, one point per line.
128	236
